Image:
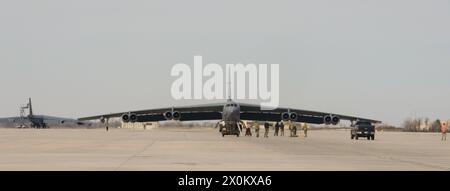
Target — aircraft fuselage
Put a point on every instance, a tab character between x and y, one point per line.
231	116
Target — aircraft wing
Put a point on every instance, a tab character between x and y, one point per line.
214	112
188	113
254	112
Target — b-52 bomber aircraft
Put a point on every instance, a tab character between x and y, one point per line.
230	114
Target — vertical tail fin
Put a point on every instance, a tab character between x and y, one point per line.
229	85
30	107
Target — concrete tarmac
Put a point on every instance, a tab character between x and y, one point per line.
205	149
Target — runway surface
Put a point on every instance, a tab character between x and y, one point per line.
206	149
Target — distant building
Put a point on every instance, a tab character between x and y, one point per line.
145	125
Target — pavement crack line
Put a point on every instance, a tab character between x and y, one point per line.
133	156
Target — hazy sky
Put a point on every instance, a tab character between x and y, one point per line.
382	59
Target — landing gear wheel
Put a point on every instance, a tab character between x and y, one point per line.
223	135
237	135
356	137
373	137
352	137
368	138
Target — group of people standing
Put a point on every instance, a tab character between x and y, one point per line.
279	129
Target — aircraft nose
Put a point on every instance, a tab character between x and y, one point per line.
235	113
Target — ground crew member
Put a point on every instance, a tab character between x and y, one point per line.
221	125
256	125
282	128
444	128
242	125
277	128
248	131
291	129
266	130
305	129
294	131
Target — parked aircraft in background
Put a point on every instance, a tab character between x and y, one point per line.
30	120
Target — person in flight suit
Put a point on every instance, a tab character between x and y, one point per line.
305	129
294	129
277	128
266	129
291	129
282	129
256	126
248	131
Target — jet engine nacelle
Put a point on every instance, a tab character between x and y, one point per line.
125	118
331	120
327	119
285	116
293	116
289	116
172	115
176	115
335	120
168	115
102	119
133	117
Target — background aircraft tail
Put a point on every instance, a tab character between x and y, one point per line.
30	107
